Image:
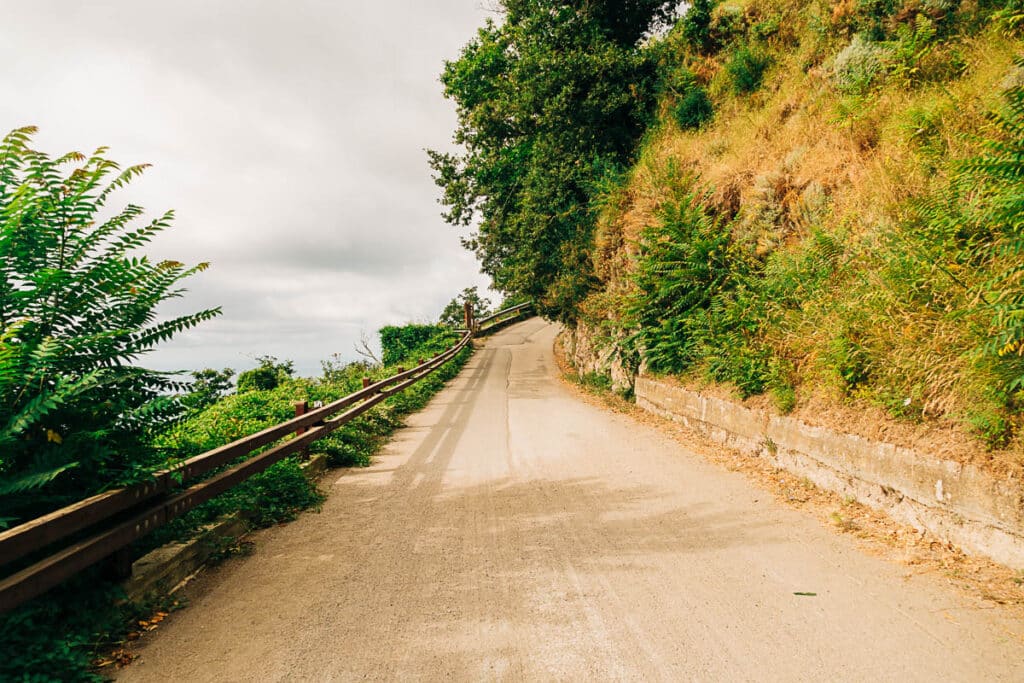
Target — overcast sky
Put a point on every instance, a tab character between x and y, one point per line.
287	136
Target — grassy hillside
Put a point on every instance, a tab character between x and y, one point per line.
826	209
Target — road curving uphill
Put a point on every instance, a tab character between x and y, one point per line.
514	532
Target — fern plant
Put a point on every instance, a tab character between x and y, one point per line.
683	265
77	310
999	175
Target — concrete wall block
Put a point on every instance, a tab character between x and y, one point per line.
164	568
958	503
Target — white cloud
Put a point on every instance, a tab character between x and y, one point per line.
289	139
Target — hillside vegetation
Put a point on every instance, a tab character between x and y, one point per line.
824	203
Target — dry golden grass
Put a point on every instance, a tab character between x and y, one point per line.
797	156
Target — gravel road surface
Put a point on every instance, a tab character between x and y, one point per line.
514	532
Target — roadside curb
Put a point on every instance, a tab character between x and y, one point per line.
956	502
169	567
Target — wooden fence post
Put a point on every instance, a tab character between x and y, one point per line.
467	311
366	382
301	408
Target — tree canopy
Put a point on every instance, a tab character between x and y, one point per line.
549	100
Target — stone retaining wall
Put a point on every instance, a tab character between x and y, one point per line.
958	503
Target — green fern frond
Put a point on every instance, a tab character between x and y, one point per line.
77	306
30	481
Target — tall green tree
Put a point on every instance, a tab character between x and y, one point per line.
268	375
208	386
78	308
548	100
453	314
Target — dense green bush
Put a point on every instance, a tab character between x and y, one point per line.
999	174
273	496
693	107
77	310
703	301
696	25
1010	16
208	386
56	637
746	69
873	17
269	374
683	266
399	343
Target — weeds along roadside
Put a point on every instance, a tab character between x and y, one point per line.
824	213
66	633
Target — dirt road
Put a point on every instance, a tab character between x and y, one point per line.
513	532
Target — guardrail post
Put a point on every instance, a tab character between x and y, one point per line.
467	311
92	532
400	369
301	408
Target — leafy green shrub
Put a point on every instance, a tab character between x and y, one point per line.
268	375
912	47
694	303
1010	17
873	17
746	69
354	444
732	344
398	343
57	636
784	396
208	386
793	277
596	380
703	302
850	361
693	108
992	427
277	495
77	309
682	266
696	25
728	25
999	172
767	27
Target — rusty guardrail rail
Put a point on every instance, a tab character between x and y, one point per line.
124	515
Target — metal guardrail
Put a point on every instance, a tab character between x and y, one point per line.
124	515
508	313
